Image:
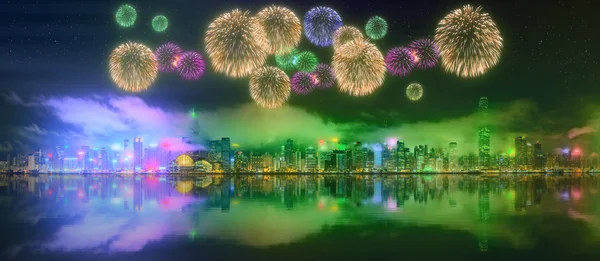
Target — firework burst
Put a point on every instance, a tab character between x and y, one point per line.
285	60
133	67
400	61
414	91
126	15
323	76
236	44
302	83
469	42
425	53
270	87
160	23
376	28
359	68
191	66
306	61
282	28
167	56
344	35
319	25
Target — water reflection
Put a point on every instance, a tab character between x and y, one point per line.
115	213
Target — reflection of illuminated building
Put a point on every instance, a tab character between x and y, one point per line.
225	194
184	187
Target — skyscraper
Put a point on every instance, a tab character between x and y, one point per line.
400	156
378	151
226	154
521	152
484	134
358	156
87	163
126	157
214	152
288	152
539	157
103	159
453	156
138	148
311	159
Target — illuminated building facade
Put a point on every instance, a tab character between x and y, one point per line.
226	154
484	135
453	156
521	152
289	153
400	156
539	156
310	159
138	149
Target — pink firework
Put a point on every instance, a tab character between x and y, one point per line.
167	56
426	52
302	83
191	66
323	76
400	61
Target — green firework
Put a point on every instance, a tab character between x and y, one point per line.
376	28
126	15
160	23
306	61
285	61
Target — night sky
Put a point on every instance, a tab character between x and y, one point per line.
545	85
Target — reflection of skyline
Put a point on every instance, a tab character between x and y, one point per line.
269	210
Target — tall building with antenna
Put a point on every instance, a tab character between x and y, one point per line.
484	134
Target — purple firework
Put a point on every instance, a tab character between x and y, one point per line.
191	66
319	25
426	52
167	56
399	61
323	76
302	83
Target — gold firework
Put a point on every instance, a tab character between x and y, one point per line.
344	35
236	44
270	87
359	68
469	42
282	28
133	67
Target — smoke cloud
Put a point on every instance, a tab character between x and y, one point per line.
103	121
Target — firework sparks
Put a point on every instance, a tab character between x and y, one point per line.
306	61
133	67
469	42
425	53
282	28
359	68
414	91
344	35
376	28
126	15
302	83
236	44
270	87
191	66
400	61
319	25
323	76
160	23
167	56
